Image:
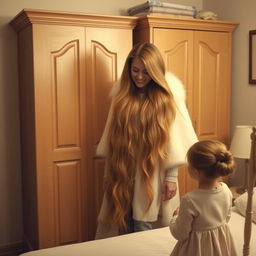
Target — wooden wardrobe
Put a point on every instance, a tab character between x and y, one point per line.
199	53
67	65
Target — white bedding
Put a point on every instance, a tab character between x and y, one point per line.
157	242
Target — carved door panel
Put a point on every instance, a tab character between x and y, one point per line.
176	47
212	85
59	125
105	57
201	60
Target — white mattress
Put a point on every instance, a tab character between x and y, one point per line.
157	242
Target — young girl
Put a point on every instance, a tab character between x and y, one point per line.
200	224
145	140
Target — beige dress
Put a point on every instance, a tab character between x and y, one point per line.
201	227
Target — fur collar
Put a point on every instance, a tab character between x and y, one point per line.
176	87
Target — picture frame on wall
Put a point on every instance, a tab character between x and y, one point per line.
252	57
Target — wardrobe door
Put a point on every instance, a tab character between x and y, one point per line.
176	47
59	86
200	57
106	51
212	85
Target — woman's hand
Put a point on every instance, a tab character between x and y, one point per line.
169	190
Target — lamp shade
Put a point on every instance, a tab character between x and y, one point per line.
241	142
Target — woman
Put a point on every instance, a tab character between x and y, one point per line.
146	137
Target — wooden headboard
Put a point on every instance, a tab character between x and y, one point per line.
250	185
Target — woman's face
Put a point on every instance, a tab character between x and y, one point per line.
139	73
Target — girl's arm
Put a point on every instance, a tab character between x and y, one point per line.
180	225
230	205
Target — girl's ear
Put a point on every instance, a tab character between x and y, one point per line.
197	173
194	173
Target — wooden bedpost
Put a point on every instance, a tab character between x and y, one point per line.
250	185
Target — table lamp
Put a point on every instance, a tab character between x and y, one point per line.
240	148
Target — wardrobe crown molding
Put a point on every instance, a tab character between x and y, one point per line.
33	16
185	23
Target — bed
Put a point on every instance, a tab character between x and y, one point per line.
159	242
156	242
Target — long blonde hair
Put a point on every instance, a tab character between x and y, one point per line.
138	133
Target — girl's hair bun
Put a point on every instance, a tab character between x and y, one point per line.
211	157
224	163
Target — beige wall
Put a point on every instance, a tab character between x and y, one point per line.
10	170
243	94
